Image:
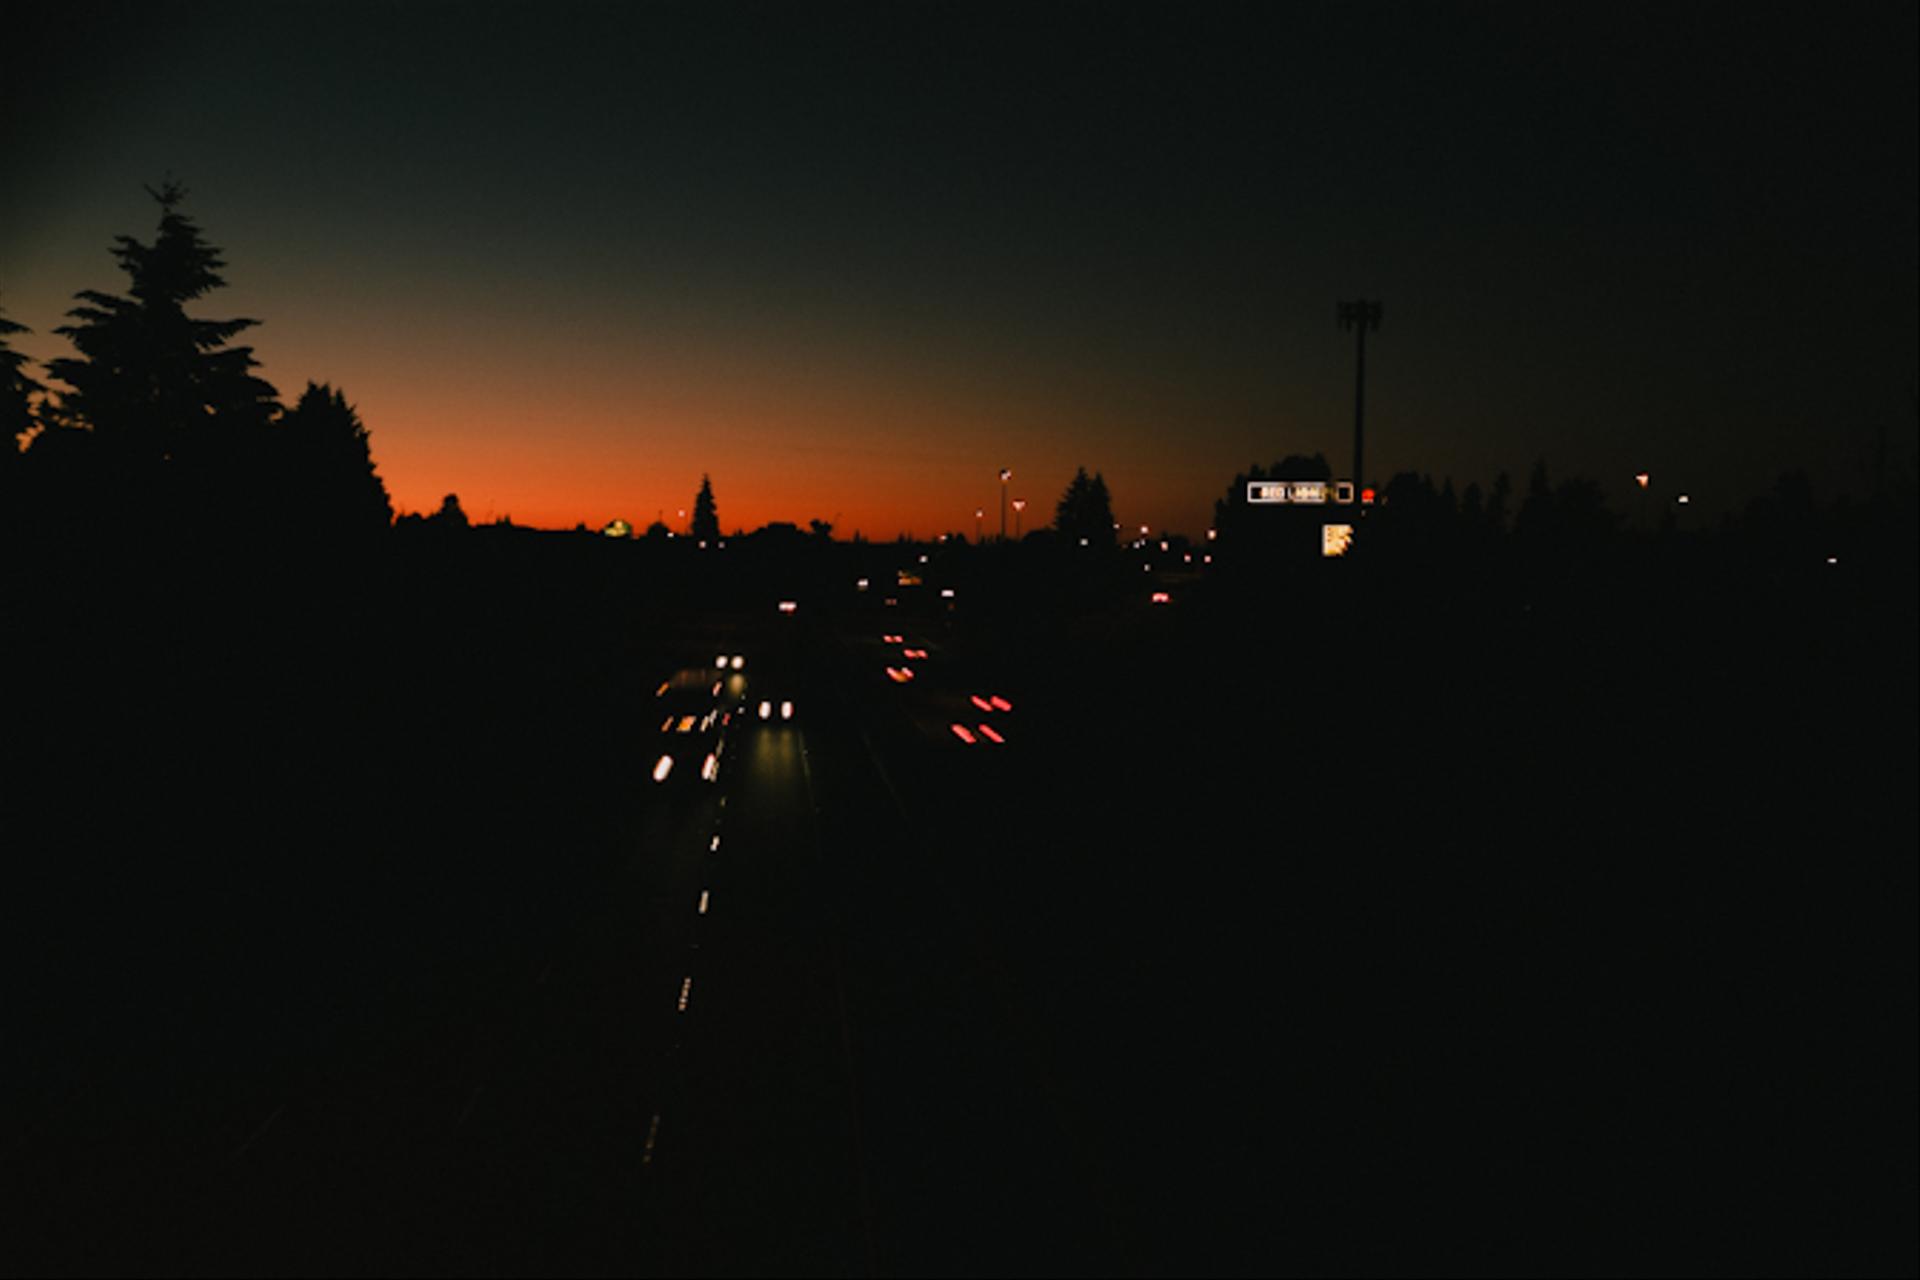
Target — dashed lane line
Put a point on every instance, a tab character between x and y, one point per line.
260	1132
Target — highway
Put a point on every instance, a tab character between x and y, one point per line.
763	1036
1105	984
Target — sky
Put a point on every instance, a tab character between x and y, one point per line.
852	262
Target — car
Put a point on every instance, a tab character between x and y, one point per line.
774	709
772	694
690	719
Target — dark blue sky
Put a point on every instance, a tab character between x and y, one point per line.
852	262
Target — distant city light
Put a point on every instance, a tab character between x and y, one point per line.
946	593
618	529
661	770
861	585
1161	597
1335	539
1683	500
1642	478
788	606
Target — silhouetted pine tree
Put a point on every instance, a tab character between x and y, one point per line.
449	516
16	406
16	388
1536	512
1085	510
167	399
706	520
1565	525
1498	503
327	480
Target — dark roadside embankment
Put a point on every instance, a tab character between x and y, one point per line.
271	824
1401	925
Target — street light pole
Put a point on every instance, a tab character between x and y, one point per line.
1006	474
1360	317
1019	505
979	514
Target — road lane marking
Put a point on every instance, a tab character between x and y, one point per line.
261	1131
713	846
703	902
686	993
653	1134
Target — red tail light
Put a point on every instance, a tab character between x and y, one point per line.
963	733
988	733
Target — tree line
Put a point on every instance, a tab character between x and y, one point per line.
162	422
1554	523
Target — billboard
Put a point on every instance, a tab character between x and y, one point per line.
1300	492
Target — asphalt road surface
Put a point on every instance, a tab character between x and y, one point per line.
762	1036
1151	969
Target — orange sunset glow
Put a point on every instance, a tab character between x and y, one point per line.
552	436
